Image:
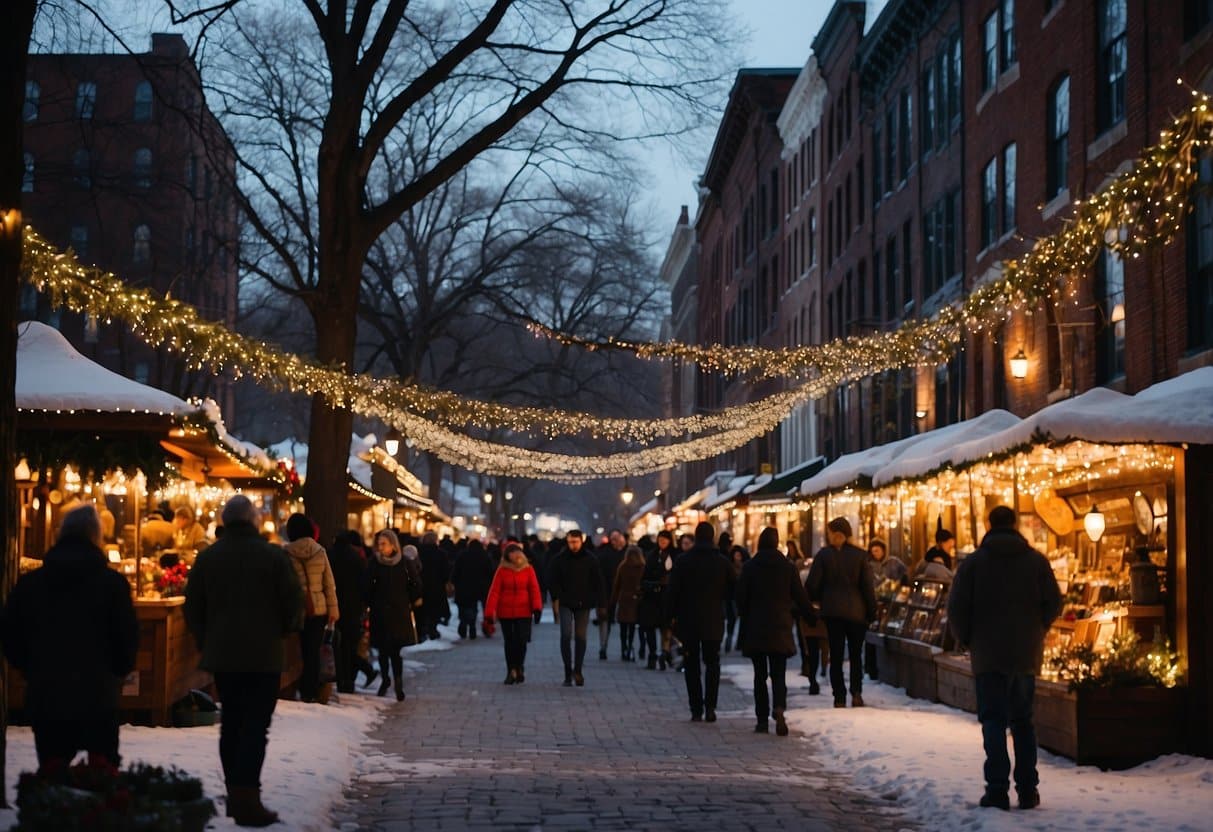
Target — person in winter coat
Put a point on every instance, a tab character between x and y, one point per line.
934	567
841	580
767	591
435	573
609	557
943	550
625	598
514	600
737	556
885	567
350	577
70	628
395	588
320	610
652	599
575	583
699	583
1001	605
471	575
242	599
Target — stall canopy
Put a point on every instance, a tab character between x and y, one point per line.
785	483
1172	412
731	490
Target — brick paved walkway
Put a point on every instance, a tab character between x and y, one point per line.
466	752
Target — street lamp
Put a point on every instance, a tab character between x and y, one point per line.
1019	364
488	496
391	442
1093	523
626	494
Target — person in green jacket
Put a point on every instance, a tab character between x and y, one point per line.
241	600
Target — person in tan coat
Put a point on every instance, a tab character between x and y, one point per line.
311	564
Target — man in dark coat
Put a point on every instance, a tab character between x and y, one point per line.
1003	600
70	628
767	592
350	575
840	579
435	573
609	557
472	574
699	583
575	582
242	599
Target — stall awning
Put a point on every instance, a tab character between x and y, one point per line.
647	508
731	491
780	486
937	448
691	501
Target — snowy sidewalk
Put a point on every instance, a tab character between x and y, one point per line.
926	759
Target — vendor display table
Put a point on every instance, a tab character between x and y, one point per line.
904	663
166	666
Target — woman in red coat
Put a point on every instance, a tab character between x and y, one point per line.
514	600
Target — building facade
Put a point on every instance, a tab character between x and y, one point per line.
126	165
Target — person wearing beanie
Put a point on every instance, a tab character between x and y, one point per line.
768	592
315	576
840	579
514	600
700	582
944	548
394	590
242	599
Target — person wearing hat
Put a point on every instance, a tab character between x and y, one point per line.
841	581
944	548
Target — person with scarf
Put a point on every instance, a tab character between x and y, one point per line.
315	576
395	588
514	600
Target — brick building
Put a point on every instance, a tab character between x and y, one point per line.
125	164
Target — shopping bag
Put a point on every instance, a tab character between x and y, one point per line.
328	658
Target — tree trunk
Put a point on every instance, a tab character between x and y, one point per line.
14	46
325	492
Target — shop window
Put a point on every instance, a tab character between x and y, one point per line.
80	240
142	253
1197	14
1058	138
82	169
27	176
33	98
1113	61
143	168
143	101
86	100
1200	260
1110	300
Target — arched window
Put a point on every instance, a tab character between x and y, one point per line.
27	179
86	100
33	96
143	101
143	245
1057	148
143	168
82	168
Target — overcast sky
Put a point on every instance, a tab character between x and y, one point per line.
781	33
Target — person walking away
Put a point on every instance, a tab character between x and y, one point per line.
243	597
514	600
575	583
69	627
320	610
471	575
699	582
394	589
609	557
737	556
625	598
350	578
1003	601
768	591
435	573
841	580
649	611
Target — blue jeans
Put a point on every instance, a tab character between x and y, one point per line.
571	621
1005	701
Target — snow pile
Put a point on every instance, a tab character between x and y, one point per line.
926	760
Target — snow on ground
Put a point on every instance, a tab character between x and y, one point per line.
927	760
314	751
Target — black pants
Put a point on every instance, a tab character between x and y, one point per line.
391	660
57	741
573	626
517	634
346	653
730	617
467	620
627	637
1005	701
648	635
309	644
851	635
702	693
248	706
768	664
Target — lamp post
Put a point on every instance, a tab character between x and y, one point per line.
391	442
1019	365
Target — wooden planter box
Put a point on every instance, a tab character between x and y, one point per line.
906	664
954	682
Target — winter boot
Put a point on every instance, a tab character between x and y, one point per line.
652	665
399	689
244	807
384	685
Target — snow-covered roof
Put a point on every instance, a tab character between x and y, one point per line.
759	482
647	508
734	488
938	447
52	376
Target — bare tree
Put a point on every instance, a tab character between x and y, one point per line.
320	101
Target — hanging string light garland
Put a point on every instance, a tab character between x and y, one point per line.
1140	208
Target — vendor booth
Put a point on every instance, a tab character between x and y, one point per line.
1101	483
